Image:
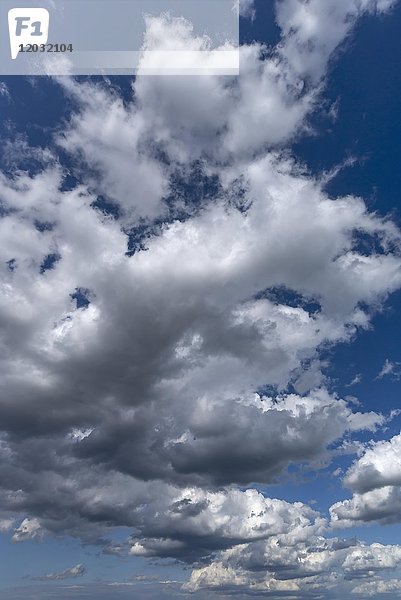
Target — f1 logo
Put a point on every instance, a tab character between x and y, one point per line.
27	25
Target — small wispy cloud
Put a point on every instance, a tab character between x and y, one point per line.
390	369
4	90
71	573
355	380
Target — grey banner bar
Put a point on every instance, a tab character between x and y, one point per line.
68	37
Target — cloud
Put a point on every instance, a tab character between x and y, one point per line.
375	479
4	91
105	137
389	368
263	107
312	30
311	567
380	465
245	8
29	529
376	506
161	325
355	380
196	523
71	573
6	525
268	105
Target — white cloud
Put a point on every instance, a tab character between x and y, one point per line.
390	368
312	30
355	380
375	479
380	465
307	567
105	136
264	107
220	519
29	529
268	104
381	505
4	91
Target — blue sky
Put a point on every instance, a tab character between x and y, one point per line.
221	412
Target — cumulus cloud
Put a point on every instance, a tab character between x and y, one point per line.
376	506
309	566
375	479
197	523
379	466
159	298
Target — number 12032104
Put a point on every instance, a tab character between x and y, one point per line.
46	48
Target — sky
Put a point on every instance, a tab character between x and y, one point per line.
200	315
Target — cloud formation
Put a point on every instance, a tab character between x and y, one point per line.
166	298
300	566
375	479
